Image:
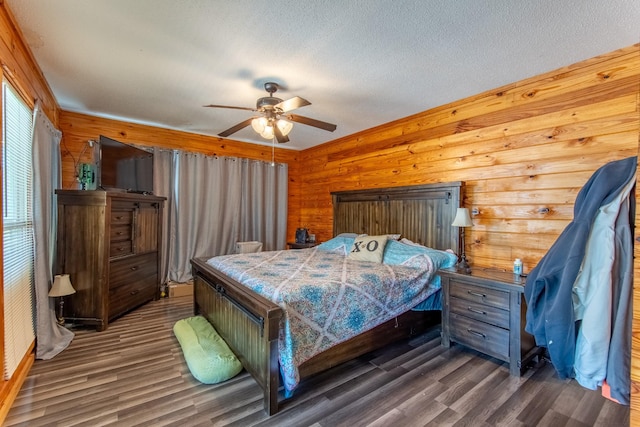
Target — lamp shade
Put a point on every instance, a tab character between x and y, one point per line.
284	126
264	126
61	286
267	133
259	124
462	219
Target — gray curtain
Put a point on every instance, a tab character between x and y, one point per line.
263	204
214	202
51	338
163	176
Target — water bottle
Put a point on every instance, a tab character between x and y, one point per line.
517	267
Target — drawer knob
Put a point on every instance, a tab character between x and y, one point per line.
134	292
134	268
476	294
475	310
476	333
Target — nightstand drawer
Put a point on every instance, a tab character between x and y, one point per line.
480	294
482	312
483	337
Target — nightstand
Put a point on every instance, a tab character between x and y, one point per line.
485	310
294	245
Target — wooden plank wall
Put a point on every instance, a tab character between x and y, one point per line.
18	67
524	151
77	129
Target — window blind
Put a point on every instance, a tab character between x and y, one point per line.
18	235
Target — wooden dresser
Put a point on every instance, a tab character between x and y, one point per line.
485	310
108	242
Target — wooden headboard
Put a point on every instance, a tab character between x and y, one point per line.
421	213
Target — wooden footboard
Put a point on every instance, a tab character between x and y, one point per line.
248	323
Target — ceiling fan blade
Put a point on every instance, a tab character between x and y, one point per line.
312	122
236	128
228	106
292	104
279	136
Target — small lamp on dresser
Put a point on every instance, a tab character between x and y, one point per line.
60	289
462	220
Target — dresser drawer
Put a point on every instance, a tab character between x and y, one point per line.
482	312
132	294
120	233
481	336
130	269
121	217
118	249
480	294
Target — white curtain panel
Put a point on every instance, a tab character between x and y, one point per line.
214	202
51	337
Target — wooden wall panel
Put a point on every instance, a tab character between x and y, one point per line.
77	129
19	67
521	149
524	151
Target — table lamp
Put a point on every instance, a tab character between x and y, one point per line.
61	288
462	220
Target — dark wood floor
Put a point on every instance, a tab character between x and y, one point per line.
133	374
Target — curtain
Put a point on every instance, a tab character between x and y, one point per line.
264	204
163	176
214	202
51	338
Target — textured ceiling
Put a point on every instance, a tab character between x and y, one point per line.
361	63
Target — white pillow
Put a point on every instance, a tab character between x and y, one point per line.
368	248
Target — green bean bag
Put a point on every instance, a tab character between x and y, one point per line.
208	357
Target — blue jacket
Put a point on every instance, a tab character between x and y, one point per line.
549	286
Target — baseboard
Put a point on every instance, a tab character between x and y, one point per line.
9	389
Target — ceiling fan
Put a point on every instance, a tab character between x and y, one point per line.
273	120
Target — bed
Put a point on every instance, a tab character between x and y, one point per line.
252	324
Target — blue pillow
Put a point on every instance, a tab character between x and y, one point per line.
396	253
337	243
352	235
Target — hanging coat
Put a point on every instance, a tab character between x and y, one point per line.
548	289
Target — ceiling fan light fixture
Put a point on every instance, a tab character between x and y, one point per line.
258	124
268	124
284	126
267	133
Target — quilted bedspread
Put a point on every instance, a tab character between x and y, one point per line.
327	298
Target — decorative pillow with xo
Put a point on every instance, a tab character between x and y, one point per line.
368	248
